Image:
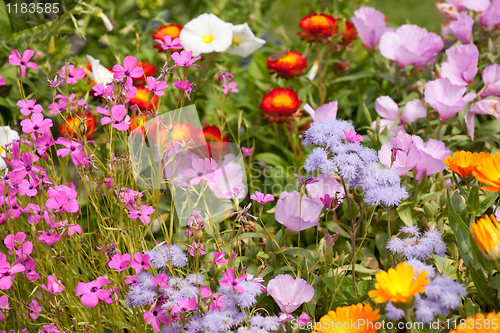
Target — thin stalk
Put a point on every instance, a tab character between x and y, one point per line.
353	236
320	78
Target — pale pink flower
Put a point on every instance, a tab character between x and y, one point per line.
185	59
491	77
446	98
448	10
490	16
488	106
461	65
324	112
289	293
462	28
475	5
370	25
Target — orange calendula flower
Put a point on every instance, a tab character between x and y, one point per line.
487	233
479	324
286	64
217	145
463	163
280	105
342	319
79	126
171	30
349	34
318	28
397	285
488	172
141	99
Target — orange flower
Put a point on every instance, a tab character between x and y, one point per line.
463	163
349	34
318	28
479	324
216	144
488	172
172	30
141	99
79	126
342	319
280	105
149	70
139	121
286	64
179	132
487	234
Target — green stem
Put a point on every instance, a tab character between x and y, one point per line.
320	79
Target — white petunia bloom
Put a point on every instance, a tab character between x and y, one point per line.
206	33
7	135
101	74
244	41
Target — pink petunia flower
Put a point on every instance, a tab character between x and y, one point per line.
370	25
29	106
219	258
156	86
231	281
154	316
53	286
324	112
140	261
289	293
462	28
37	124
446	98
168	43
120	262
261	197
91	292
184	58
115	117
461	65
128	70
72	147
73	75
15	59
491	77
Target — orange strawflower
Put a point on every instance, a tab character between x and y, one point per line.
487	233
79	126
463	163
349	34
479	324
286	64
342	319
280	105
141	99
172	30
318	28
488	172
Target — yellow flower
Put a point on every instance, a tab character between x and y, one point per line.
488	172
463	163
348	318
487	233
397	285
479	324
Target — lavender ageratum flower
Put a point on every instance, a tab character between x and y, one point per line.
446	98
432	155
297	214
491	77
411	44
326	185
393	313
324	112
462	27
399	154
388	195
491	16
165	253
410	230
329	133
461	66
475	5
396	245
419	267
419	247
319	156
289	293
370	25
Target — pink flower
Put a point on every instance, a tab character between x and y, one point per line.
449	11
370	25
352	136
231	86
120	262
161	281
37	124
142	214
25	166
184	85
2	81
16	60
184	305
446	98
77	154
219	258
167	43
30	271
91	292
297	214
326	185
34	309
218	303
399	154
7	273
67	229
490	16
432	155
140	261
261	197
73	75
324	112
156	86
62	199
462	28
475	5
19	244
184	58
115	116
491	77
461	66
4	305
196	247
54	286
289	293
247	151
413	111
488	106
203	169
231	281
28	187
128	69
411	44
49	238
29	106
154	316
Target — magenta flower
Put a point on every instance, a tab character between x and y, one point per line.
203	169
247	151
462	28
91	292
156	86
49	238
154	316
37	124
161	281
231	281
326	185
16	60
490	16
30	271
491	77
413	111
54	286
399	154
28	187
7	273
295	214
2	81
19	244
475	5
141	214
184	59
219	258
167	43
29	106
411	44
370	25
140	261
304	320
352	136
128	70
230	87
72	147
324	112
120	262
183	85
24	166
432	155
261	197
184	305
488	106
196	247
115	117
446	98
62	199
4	305
34	309
289	293
73	75
461	66
55	83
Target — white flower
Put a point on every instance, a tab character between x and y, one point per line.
7	135
245	41
106	21
101	74
206	33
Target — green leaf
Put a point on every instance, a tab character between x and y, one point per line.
495	282
482	287
354	207
405	212
461	231
360	269
457	210
330	283
271	158
478	255
470	308
353	77
473	203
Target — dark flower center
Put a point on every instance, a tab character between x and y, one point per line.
94	289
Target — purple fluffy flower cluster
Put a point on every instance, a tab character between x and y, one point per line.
161	256
417	246
356	164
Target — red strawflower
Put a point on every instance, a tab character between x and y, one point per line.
286	64
318	28
141	99
217	145
280	105
172	30
349	34
139	121
83	125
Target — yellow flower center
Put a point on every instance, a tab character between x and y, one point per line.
318	20
282	101
171	31
237	40
288	59
207	39
1	150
